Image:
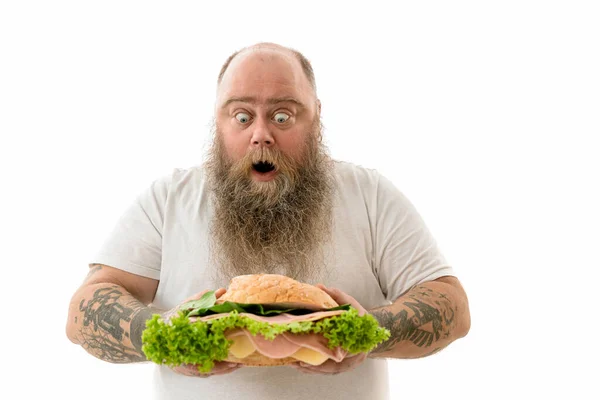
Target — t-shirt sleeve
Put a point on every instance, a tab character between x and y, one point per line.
135	243
406	254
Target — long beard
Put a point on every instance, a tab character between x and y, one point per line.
279	226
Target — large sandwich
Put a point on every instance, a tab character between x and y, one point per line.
262	320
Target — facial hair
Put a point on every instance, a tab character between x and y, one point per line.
279	226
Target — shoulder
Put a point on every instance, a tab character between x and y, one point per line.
173	184
352	177
378	191
356	186
348	173
181	179
188	175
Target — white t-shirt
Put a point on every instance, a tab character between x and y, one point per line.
381	247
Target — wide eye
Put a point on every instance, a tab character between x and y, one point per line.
280	118
242	117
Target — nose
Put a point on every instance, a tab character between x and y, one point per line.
261	135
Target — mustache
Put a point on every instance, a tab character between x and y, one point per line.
282	162
263	154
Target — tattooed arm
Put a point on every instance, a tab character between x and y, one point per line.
423	321
108	313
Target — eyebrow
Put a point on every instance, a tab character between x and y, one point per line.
270	101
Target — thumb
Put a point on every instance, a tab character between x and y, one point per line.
218	293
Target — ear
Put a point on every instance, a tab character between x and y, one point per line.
318	116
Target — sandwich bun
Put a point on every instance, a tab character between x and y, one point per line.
277	291
259	360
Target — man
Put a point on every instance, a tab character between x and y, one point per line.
269	199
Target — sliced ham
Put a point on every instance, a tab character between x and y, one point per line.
279	347
317	343
286	344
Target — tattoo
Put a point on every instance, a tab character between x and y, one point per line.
423	325
102	315
138	324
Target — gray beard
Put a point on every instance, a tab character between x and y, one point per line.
281	226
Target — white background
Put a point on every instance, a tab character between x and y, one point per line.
485	114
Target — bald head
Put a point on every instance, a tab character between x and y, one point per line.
299	57
265	74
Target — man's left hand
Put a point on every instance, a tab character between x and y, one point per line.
343	298
331	367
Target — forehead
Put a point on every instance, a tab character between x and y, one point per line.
264	74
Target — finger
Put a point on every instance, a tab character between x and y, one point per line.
220	368
343	298
330	290
218	293
331	367
221	365
304	370
309	369
183	370
195	296
227	370
189	370
327	367
336	294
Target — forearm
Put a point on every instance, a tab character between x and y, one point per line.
423	321
107	322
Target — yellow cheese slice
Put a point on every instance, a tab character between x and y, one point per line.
310	356
241	347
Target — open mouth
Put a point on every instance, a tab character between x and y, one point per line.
263	167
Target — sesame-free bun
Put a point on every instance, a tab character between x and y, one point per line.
277	291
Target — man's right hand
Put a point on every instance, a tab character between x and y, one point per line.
221	367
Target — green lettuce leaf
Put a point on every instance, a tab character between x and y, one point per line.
181	341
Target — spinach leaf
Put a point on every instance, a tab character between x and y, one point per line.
206	306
